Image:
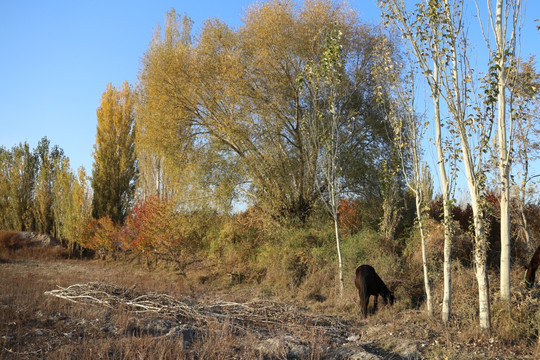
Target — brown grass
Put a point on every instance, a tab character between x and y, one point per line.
33	325
36	326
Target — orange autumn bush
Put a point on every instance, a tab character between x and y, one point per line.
152	230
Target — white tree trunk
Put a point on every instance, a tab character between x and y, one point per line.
504	163
427	284
474	183
340	261
481	246
480	255
447	266
483	295
445	186
505	239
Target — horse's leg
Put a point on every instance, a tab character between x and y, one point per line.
364	300
375	303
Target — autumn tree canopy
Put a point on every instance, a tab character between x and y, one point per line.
233	116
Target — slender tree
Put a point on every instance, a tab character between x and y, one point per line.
504	16
72	206
22	172
5	164
115	166
425	34
440	25
48	157
322	80
408	134
525	90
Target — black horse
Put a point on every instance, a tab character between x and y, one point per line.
530	270
369	283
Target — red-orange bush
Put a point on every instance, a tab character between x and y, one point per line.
151	228
348	216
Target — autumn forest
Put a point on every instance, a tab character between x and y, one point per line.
291	149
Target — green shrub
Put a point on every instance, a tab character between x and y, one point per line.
368	247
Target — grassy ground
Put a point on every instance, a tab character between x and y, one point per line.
34	325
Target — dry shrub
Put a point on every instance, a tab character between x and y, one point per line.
234	245
349	220
12	240
520	326
461	245
317	286
513	327
16	245
464	296
42	253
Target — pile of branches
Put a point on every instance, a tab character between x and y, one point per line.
259	313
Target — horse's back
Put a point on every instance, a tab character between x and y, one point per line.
366	276
364	270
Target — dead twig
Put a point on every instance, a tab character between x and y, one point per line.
258	313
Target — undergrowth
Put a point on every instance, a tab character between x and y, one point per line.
298	263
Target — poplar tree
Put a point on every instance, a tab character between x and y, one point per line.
408	134
72	204
48	158
21	171
504	17
5	163
115	166
425	33
322	80
440	25
526	102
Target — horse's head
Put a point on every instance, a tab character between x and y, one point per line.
529	277
389	299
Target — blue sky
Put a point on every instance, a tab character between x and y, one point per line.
58	56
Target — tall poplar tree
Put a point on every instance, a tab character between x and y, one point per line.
425	33
22	170
322	80
504	17
47	157
72	204
441	25
5	165
526	102
115	165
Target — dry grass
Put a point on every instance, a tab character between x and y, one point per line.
34	325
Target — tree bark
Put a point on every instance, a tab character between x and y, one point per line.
504	163
445	186
427	284
340	260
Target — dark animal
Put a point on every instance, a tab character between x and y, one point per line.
530	271
369	283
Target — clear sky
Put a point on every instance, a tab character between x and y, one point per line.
57	57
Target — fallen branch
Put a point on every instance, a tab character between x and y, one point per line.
259	313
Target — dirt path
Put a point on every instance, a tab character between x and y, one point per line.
88	310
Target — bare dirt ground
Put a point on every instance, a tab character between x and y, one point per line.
87	309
